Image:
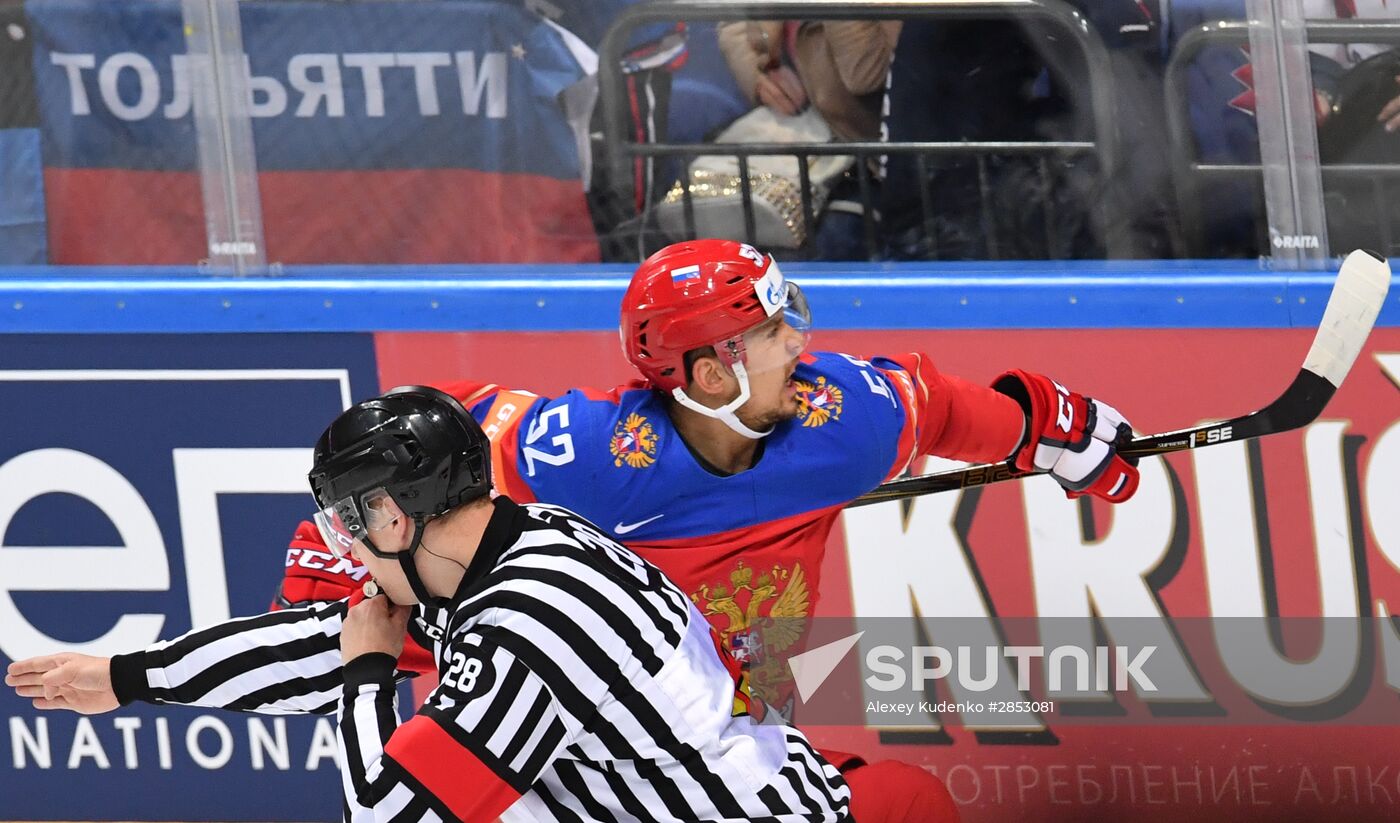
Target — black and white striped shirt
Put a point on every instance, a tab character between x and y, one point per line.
576	683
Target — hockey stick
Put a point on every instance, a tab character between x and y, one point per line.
1351	311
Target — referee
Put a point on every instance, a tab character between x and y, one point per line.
575	681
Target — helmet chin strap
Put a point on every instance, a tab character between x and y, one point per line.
725	414
410	568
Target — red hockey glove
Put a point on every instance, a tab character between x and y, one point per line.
314	575
1072	437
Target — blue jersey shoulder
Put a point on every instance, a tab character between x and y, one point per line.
566	445
845	437
619	462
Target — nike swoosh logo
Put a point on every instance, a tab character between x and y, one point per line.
624	528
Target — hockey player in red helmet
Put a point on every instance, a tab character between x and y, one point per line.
720	297
727	300
729	463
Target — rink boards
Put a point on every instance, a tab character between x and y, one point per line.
149	481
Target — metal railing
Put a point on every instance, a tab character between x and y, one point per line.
1189	173
1096	97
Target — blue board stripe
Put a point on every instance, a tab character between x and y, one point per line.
585	298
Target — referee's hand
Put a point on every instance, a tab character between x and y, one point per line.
373	625
77	682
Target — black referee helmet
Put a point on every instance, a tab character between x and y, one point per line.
417	443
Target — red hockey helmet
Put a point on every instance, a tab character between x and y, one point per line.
701	293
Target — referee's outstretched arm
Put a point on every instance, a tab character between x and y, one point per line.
284	662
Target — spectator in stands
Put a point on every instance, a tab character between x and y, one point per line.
1020	80
1357	90
651	55
1390	112
1349	55
1357	109
839	68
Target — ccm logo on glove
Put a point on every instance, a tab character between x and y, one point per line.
327	562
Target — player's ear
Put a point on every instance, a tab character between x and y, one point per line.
392	518
399	522
399	529
709	376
